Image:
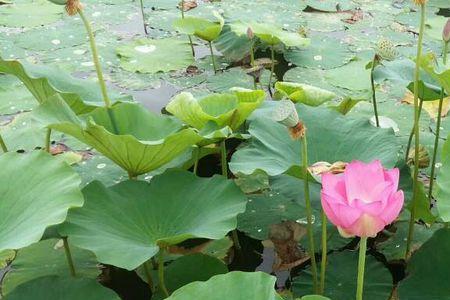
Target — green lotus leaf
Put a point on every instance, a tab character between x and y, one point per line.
229	109
140	142
48	258
125	224
333	138
46	81
29	14
428	269
203	28
155	55
438	72
54	287
271	34
303	93
36	193
402	72
314	297
443	183
233	285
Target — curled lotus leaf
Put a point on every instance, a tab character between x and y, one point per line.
303	93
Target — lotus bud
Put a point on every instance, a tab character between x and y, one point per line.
72	6
424	157
386	49
286	114
446	32
250	33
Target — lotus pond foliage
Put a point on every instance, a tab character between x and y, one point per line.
266	150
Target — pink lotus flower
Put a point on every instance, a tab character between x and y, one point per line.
362	200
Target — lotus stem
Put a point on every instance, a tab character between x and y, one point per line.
252	54
223	158
272	69
411	135
69	257
361	267
131	176
374	96
212	58
438	130
143	16
3	145
416	134
48	140
146	266
197	155
309	212
189	36
162	284
323	262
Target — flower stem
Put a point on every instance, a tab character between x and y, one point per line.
272	69
374	96
223	158
411	135
416	134
438	130
3	145
323	262
309	212
69	257
190	39
197	155
361	266
143	17
162	284
212	57
48	140
252	54
146	266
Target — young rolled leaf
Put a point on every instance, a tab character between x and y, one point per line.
141	141
46	81
233	285
51	189
229	109
200	27
124	225
303	93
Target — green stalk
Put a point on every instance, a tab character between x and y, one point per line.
212	57
374	96
48	139
323	262
252	54
190	39
148	274
416	134
223	158
143	17
162	284
411	135
197	155
361	267
438	130
272	68
312	250
69	257
3	145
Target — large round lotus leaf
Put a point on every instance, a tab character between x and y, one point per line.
140	142
330	6
233	285
46	81
124	224
234	77
271	34
54	287
48	258
231	109
30	14
200	27
334	138
14	97
37	193
232	46
443	184
152	56
428	270
323	53
440	73
352	76
303	93
340	281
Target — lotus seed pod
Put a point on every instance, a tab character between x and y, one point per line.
386	49
73	6
286	114
446	32
59	2
424	157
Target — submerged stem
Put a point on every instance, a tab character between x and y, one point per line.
411	135
3	145
162	284
374	96
416	134
361	267
69	257
48	140
212	57
272	69
143	17
309	212
323	262
148	274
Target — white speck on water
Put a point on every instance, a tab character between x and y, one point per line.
148	177
259	230
71	36
87	64
56	42
438	165
133	61
101	166
79	52
317	57
145	48
96	14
